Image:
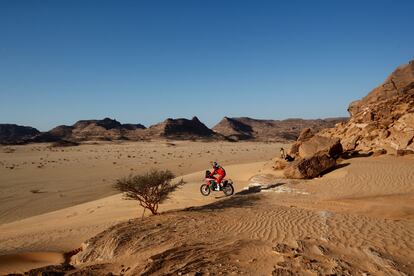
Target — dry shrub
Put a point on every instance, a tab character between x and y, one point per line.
149	189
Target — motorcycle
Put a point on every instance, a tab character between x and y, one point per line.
211	185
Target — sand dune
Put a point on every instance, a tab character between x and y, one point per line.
356	219
33	176
302	232
22	262
65	229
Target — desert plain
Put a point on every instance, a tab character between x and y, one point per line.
54	198
358	218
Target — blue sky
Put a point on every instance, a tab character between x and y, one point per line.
144	61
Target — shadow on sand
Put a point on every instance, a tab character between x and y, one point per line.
235	201
244	198
355	154
257	189
337	166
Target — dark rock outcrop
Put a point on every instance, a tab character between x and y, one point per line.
15	134
234	129
110	129
133	126
245	128
54	135
85	130
106	123
181	129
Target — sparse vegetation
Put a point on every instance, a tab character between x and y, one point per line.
64	143
9	150
149	189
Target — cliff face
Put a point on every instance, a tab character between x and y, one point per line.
245	128
400	82
15	134
384	119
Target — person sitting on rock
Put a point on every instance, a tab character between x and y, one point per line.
221	173
282	153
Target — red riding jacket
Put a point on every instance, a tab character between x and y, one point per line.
219	170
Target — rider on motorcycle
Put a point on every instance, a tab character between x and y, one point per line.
219	170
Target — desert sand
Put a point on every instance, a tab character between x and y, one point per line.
68	190
32	176
356	219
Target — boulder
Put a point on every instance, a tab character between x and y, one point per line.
244	128
294	149
319	144
280	164
309	167
305	135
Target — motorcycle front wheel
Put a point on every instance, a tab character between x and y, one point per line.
205	190
228	190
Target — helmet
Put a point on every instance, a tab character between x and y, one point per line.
215	165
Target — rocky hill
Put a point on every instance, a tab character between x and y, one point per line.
233	129
384	119
15	134
109	129
382	122
84	130
245	128
181	129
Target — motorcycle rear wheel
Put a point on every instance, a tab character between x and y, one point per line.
205	190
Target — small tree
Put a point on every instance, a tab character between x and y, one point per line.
148	189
